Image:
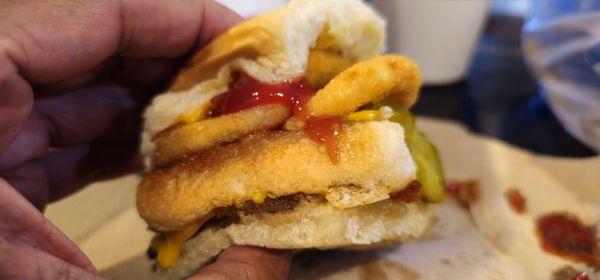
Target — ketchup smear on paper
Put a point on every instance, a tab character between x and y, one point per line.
564	235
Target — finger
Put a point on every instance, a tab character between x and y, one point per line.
19	261
92	31
246	262
23	224
16	101
32	141
146	75
147	22
76	81
70	169
72	119
63	172
32	182
85	114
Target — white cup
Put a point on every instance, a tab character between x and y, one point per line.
440	35
251	8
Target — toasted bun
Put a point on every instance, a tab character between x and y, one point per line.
374	162
271	48
309	225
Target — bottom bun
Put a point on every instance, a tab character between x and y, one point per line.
312	224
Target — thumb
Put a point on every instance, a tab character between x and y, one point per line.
246	262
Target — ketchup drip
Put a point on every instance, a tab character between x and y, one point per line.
325	130
245	92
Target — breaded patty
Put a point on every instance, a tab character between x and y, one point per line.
374	161
201	135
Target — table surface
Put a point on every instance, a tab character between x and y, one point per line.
500	97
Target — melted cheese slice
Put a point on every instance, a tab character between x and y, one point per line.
168	248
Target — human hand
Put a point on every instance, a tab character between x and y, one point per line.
74	76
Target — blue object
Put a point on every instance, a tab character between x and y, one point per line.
561	41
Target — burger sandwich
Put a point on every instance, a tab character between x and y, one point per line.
288	131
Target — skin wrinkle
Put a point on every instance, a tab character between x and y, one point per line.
38	264
220	271
125	37
63	272
6	247
20	268
9	47
22	235
54	134
38	12
128	49
34	41
31	180
21	105
201	27
252	269
275	272
27	144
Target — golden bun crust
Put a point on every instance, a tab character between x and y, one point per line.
309	225
374	161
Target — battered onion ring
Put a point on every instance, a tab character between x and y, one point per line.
197	136
385	76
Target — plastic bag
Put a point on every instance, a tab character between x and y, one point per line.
561	41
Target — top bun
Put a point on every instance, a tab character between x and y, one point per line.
271	48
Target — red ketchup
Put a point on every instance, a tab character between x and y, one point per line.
245	92
516	200
409	194
564	235
325	130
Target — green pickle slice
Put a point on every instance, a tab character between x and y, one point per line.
425	154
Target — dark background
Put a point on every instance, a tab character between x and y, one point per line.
500	97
